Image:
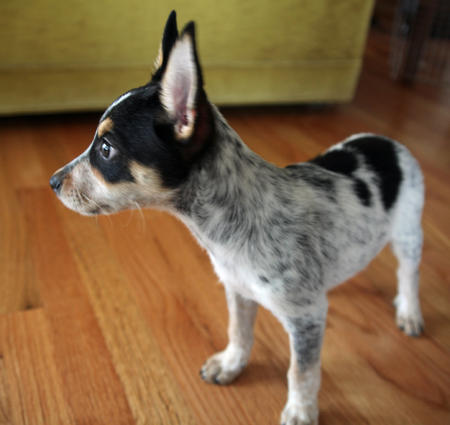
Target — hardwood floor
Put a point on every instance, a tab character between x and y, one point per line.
108	320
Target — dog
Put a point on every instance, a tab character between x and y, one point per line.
278	237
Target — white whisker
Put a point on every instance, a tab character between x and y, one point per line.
139	209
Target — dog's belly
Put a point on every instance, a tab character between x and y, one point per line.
259	281
357	248
351	261
273	294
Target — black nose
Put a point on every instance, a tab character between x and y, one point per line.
56	182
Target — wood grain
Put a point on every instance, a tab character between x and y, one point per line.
108	320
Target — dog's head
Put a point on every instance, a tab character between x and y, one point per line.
147	140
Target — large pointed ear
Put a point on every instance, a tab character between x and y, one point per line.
181	83
170	36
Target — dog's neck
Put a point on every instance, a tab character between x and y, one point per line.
224	192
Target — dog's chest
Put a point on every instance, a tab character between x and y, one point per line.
246	278
236	272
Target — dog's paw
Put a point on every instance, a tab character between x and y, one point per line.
224	367
296	414
410	325
409	317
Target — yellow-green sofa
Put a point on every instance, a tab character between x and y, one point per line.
66	55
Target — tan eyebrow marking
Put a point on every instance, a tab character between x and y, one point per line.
105	126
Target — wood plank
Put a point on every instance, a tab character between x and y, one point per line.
34	385
152	392
20	154
384	362
91	385
19	289
5	402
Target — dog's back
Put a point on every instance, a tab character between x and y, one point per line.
373	188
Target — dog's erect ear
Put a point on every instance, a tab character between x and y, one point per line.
181	82
169	38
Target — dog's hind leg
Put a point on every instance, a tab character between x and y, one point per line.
225	366
406	241
305	336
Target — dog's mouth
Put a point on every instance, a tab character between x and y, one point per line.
95	211
76	200
100	210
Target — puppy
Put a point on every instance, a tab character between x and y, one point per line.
279	237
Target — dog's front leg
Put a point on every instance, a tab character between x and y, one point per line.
226	365
305	336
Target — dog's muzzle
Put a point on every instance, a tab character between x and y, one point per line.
56	181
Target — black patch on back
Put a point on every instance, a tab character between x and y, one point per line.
380	156
338	161
344	162
362	190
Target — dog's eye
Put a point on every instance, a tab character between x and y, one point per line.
107	150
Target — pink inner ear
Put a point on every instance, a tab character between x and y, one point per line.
180	96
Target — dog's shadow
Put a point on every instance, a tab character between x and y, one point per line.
261	373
